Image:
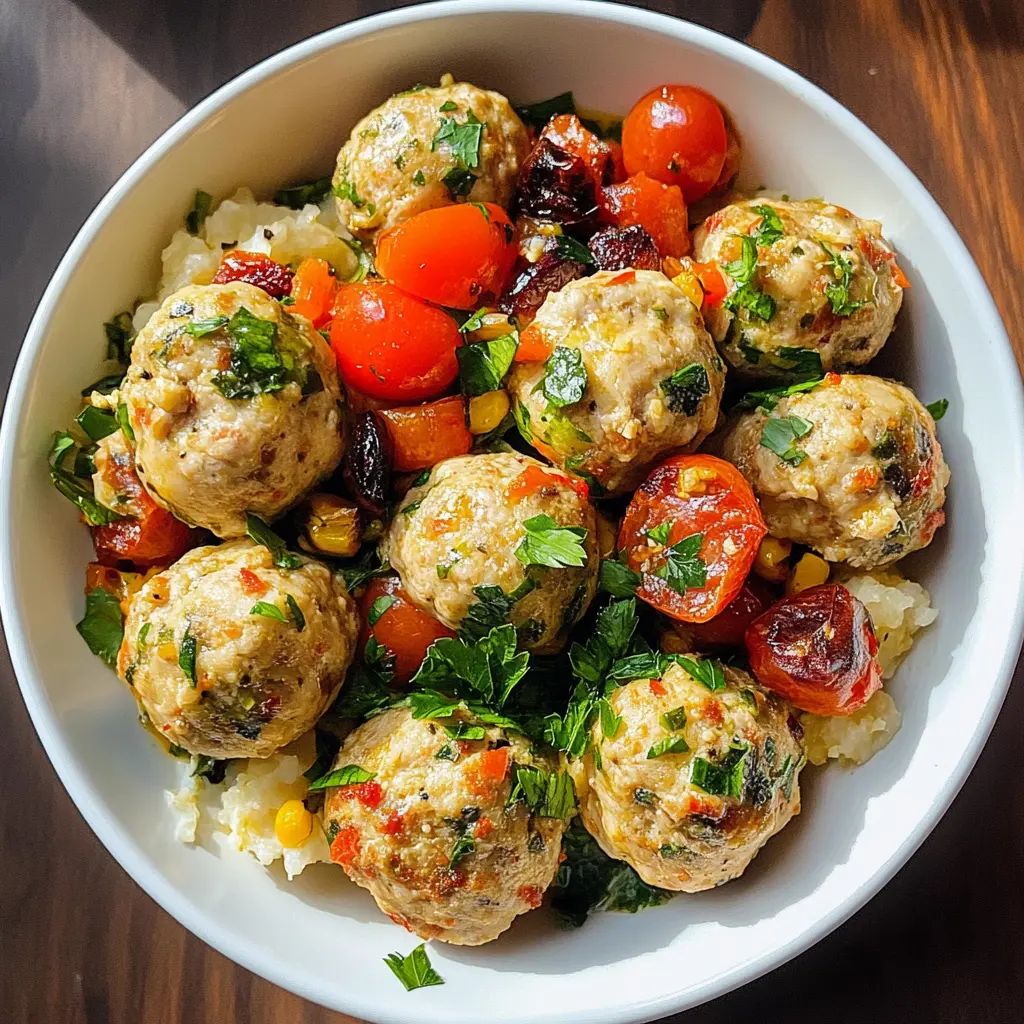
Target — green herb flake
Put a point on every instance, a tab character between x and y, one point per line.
668	745
258	531
491	609
707	671
724	778
124	422
538	114
419	179
484	364
447	106
569	248
547	543
464	846
565	377
120	332
413	971
74	489
618	579
770	229
674	720
102	626
188	652
685	388
780	434
545	794
258	364
683	568
610	721
462	140
644	796
459	182
202	204
661	313
802	363
837	291
378	608
96	423
200	328
407	510
349	775
268	611
297	196
937	409
767	399
296	612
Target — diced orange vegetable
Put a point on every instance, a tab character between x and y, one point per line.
898	276
533	346
493	764
626	277
711	281
534	479
345	846
251	583
567	132
656	688
659	209
424	435
483	828
313	289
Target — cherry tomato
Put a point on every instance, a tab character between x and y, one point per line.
423	435
535	479
687	497
401	627
568	133
392	345
676	134
313	289
254	268
659	209
729	627
457	256
817	649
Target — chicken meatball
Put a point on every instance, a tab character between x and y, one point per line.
813	282
852	469
232	657
694	782
433	834
495	536
425	148
633	375
235	406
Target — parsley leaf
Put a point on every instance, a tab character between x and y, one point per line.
668	745
538	114
492	608
297	196
770	229
462	140
296	612
483	364
706	671
258	364
413	971
268	610
202	204
724	778
610	721
838	290
742	271
768	398
779	435
747	295
938	408
547	543
674	720
618	579
569	248
486	670
464	846
458	181
124	422
366	567
258	530
683	568
96	423
102	627
120	332
348	775
378	608
200	328
545	794
802	363
75	490
685	388
565	377
188	651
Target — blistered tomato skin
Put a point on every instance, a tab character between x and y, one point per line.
817	649
729	627
693	495
392	345
256	269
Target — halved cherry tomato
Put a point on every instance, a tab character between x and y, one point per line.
423	435
533	346
568	133
676	134
817	649
403	629
456	256
152	536
535	479
313	288
729	627
254	268
692	495
659	209
391	344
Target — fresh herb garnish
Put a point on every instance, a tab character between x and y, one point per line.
837	291
74	489
413	971
746	295
618	579
120	332
458	181
483	364
419	178
668	745
770	229
722	778
547	543
491	608
124	422
348	775
538	114
565	377
462	140
96	423
298	196
102	627
200	328
545	794
675	719
258	364
188	651
258	530
685	388
610	721
378	608
644	796
683	568
768	398
707	671
268	611
344	189
104	385
803	364
202	204
296	612
464	846
569	248
780	434
938	408
366	567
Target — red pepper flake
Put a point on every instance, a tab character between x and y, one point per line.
832	378
369	794
656	688
712	711
394	825
484	827
626	277
251	583
345	846
531	895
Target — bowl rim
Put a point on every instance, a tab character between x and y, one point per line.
251	955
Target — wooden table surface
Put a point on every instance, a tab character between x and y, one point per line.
86	85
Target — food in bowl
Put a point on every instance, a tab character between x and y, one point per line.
518	410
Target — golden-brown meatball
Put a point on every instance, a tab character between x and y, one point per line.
694	782
433	835
232	657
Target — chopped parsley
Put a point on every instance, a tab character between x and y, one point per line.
483	364
675	719
618	579
419	179
344	189
938	409
297	196
258	363
683	568
770	229
610	721
837	291
668	745
462	140
413	971
120	332
780	435
268	611
96	423
538	114
565	377
202	204
188	651
722	778
365	568
464	846
258	530
200	328
296	612
72	487
569	248
768	398
706	671
644	796
491	608
102	627
348	775
447	106
802	363
458	181
547	543
685	388
545	794
378	608
747	295
124	422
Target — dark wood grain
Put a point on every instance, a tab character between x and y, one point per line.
85	86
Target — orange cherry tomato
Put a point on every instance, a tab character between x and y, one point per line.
403	629
424	435
817	649
659	209
457	256
676	134
568	133
533	346
313	289
691	496
729	626
392	345
711	281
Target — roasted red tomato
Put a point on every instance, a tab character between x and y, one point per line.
692	531
392	345
424	435
152	536
569	134
254	268
729	627
659	209
817	649
677	135
456	256
398	625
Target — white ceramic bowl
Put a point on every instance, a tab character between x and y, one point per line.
323	938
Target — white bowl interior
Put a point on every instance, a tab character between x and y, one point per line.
322	936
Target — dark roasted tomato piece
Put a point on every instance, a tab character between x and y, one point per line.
556	185
817	649
623	248
255	268
692	531
151	536
368	462
399	626
569	134
729	627
658	208
533	283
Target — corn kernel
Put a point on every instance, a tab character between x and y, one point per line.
487	411
293	824
168	652
492	325
333	526
691	287
810	571
770	563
